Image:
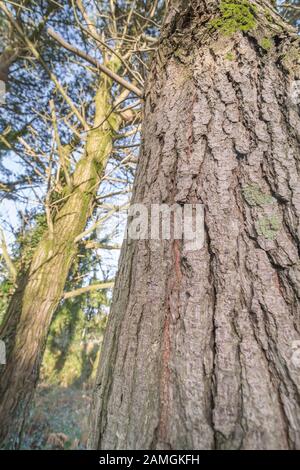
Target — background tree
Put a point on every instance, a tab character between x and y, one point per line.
290	11
81	156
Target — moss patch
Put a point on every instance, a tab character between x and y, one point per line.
230	56
255	197
268	226
266	44
236	15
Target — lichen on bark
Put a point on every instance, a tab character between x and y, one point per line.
269	226
255	197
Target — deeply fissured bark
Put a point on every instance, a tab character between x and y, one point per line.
198	352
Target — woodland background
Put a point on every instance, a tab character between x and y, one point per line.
50	60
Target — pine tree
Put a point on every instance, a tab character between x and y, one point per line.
198	352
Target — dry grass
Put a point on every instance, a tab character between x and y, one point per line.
59	419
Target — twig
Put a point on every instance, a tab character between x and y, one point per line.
95	62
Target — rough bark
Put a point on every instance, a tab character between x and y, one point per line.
198	349
40	290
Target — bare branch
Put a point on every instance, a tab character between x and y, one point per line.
95	62
37	55
92	287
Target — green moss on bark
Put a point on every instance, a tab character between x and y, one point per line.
230	56
266	44
235	15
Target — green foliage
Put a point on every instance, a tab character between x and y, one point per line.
6	290
268	226
236	15
255	197
73	342
28	239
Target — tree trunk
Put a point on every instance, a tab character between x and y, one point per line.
198	352
39	292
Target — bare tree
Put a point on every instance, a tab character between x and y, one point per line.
72	190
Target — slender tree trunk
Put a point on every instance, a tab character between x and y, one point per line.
38	293
198	352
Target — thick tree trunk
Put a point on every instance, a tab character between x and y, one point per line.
198	352
36	298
